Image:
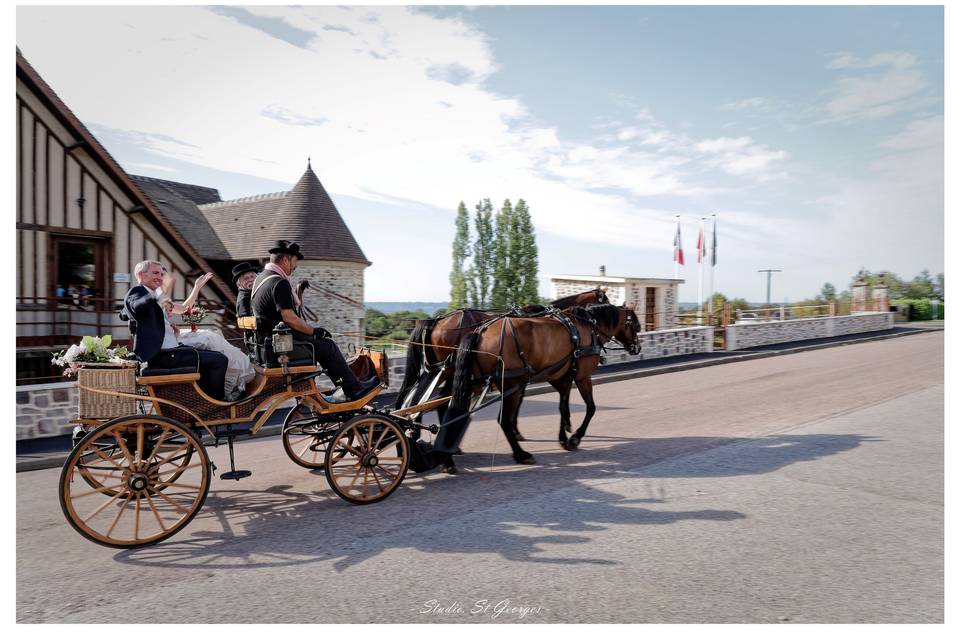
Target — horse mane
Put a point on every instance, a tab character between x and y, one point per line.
605	314
568	299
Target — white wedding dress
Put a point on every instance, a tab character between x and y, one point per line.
240	370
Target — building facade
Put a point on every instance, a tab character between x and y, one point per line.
82	223
655	299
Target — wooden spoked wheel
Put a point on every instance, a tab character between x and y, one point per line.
102	473
305	436
145	493
367	459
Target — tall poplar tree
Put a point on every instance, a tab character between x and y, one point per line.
514	257
502	282
461	251
527	264
483	255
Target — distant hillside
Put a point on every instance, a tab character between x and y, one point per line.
392	307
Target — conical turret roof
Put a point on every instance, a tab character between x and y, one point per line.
308	216
305	215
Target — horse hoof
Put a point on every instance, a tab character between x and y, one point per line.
529	459
573	443
458	452
449	469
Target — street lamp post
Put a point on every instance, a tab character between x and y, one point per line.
768	272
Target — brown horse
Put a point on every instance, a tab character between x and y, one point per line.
433	340
508	353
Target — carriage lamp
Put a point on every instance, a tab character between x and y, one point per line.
282	339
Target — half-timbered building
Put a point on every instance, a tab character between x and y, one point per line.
83	223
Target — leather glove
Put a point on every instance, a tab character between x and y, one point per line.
320	332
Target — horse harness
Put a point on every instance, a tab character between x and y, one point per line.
577	351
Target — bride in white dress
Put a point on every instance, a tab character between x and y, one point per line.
240	370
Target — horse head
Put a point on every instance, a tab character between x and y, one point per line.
628	332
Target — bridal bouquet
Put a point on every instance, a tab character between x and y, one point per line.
91	350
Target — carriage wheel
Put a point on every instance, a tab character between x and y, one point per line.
305	436
367	459
153	488
103	472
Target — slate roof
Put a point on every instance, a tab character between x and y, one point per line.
173	198
306	214
192	192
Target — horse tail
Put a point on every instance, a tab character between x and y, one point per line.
461	391
414	365
457	416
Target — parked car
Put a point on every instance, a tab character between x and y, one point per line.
749	318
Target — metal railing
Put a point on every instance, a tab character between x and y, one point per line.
49	322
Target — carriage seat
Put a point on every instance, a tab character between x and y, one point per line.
261	349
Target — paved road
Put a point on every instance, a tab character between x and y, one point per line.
800	488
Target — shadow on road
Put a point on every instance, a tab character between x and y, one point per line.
512	510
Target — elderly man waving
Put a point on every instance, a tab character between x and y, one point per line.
155	342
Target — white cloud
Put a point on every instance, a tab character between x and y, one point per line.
741	156
874	96
389	102
922	133
887	88
894	59
757	102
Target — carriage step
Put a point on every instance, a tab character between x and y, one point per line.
235	475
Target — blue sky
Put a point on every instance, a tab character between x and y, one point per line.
814	133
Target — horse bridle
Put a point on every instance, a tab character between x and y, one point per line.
632	349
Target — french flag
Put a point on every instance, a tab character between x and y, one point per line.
677	246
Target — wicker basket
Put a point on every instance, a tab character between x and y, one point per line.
106	378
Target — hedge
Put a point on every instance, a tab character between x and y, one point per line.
922	309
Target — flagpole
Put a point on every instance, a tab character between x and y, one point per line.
713	263
676	263
700	247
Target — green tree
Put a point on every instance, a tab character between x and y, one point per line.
461	251
500	293
939	286
514	256
828	292
376	322
921	287
528	260
481	273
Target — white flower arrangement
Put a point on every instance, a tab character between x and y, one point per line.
194	315
90	350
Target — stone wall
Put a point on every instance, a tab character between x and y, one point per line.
44	410
666	343
744	336
335	315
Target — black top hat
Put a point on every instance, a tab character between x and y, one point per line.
242	268
287	248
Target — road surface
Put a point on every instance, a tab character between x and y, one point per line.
800	488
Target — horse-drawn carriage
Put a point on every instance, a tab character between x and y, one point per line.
140	478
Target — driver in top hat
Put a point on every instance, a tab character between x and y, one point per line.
274	300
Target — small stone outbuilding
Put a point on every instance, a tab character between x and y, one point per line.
655	298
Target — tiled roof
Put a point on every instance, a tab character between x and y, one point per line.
306	215
184	214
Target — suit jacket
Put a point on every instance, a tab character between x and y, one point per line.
140	305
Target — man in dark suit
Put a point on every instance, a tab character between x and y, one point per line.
155	341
